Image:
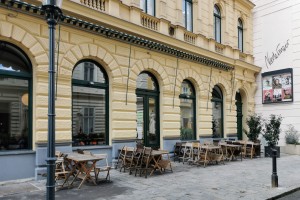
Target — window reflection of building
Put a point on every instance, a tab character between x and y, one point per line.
89	104
187	111
217	112
15	106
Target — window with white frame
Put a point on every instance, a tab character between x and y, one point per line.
217	24
88	71
187	13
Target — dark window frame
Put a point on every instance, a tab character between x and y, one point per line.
23	76
240	34
217	16
105	86
193	98
145	9
185	11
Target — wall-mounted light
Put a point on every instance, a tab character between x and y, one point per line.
24	99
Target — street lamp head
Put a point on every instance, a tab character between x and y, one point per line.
56	3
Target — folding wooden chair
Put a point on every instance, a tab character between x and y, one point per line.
187	152
102	168
177	151
144	165
128	156
60	169
136	159
121	157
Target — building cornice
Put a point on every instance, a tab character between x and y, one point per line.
118	35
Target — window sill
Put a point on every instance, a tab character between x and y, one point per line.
16	152
74	148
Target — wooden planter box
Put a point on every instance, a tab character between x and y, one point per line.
291	149
269	153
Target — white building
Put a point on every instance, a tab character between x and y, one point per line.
277	47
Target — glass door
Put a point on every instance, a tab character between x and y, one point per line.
239	116
147	120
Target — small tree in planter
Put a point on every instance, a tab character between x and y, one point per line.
291	135
255	124
271	134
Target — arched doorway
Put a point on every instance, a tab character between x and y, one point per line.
147	93
15	98
239	115
89	104
217	112
187	111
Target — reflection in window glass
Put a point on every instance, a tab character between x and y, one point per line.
88	71
240	35
217	112
148	6
217	24
187	111
187	14
145	81
15	129
89	106
14	114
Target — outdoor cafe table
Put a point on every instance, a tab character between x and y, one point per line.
84	164
159	163
232	150
210	155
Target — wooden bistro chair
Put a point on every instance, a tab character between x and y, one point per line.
177	151
145	165
127	158
102	167
136	159
121	156
248	149
61	172
187	154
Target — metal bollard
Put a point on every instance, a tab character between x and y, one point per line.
274	167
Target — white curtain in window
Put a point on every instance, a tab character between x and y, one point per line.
189	16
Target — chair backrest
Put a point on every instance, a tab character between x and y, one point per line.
104	161
207	142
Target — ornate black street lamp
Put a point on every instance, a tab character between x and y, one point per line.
52	9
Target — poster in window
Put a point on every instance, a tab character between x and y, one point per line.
277	86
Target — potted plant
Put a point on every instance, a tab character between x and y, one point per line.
292	141
271	134
255	125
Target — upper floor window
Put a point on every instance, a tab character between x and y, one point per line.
187	12
88	71
240	35
217	24
148	6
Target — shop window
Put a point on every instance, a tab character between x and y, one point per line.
89	104
187	111
148	6
217	112
187	13
240	35
217	24
15	98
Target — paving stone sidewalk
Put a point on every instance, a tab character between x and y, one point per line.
249	179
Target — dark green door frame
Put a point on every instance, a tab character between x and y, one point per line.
239	116
146	95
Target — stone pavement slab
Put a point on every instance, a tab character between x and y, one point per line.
249	179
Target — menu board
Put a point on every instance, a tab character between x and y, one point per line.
277	86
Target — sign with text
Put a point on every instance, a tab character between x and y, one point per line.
277	86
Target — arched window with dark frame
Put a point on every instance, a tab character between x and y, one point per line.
147	110
217	24
15	98
240	35
217	112
148	6
89	104
187	111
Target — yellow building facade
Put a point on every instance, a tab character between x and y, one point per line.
150	71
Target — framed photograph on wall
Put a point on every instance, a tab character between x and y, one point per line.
277	86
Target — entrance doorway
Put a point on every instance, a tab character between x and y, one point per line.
239	115
148	110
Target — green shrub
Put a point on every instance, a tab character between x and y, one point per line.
291	135
255	124
272	130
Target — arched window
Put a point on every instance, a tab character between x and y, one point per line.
187	13
240	35
15	98
148	6
147	113
89	104
187	111
217	24
217	112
